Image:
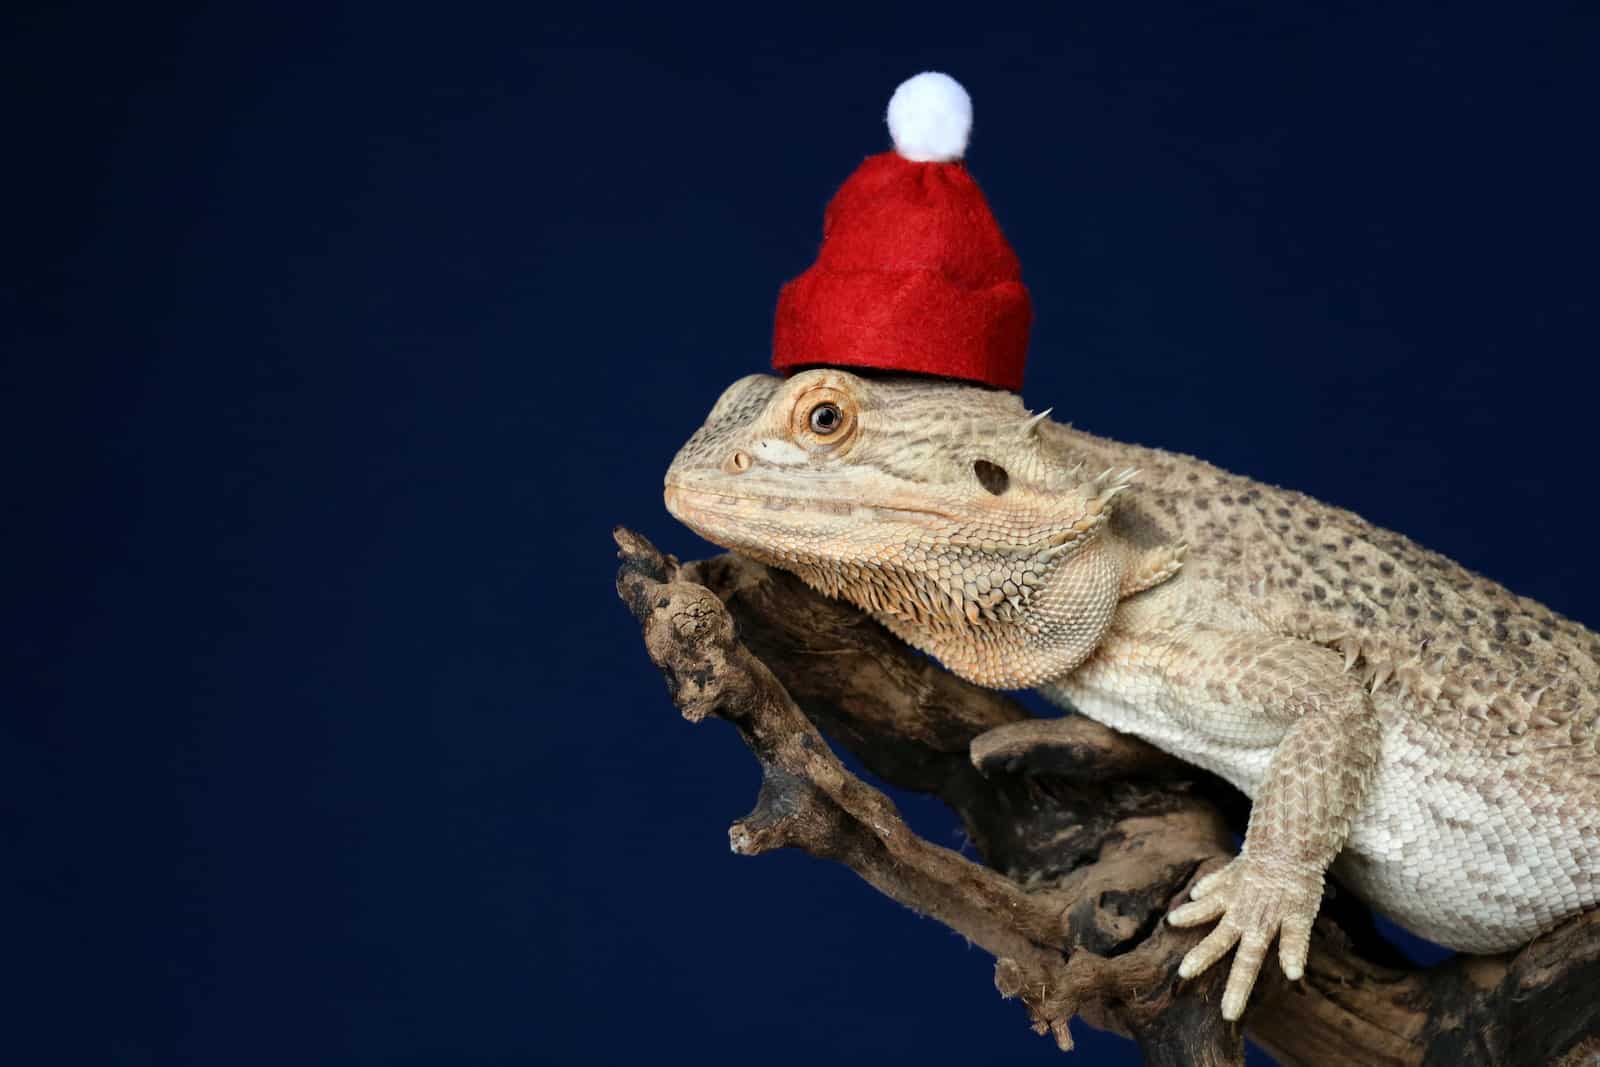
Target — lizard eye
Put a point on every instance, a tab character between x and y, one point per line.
825	419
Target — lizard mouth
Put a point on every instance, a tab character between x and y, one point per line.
688	505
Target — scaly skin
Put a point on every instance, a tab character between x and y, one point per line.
1432	735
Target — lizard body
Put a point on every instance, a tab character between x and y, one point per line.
1432	736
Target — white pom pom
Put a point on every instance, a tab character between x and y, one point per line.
930	118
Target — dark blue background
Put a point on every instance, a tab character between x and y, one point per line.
338	336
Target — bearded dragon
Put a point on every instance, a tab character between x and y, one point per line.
1431	736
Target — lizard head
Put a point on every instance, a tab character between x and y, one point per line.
942	509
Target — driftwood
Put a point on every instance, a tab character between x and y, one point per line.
1088	836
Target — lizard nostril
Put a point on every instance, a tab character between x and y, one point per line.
738	462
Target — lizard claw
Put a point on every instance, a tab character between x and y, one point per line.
1254	901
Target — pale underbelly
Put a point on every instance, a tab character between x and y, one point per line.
1470	858
1465	859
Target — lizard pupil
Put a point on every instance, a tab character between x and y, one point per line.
825	419
991	476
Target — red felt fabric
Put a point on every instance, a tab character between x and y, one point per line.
914	275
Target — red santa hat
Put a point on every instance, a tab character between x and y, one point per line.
914	273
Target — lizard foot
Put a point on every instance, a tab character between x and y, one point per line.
1255	901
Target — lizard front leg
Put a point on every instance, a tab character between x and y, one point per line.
1233	697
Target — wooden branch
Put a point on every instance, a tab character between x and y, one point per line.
1085	852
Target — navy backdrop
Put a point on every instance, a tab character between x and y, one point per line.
338	336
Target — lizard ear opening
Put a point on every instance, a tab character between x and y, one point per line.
991	476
